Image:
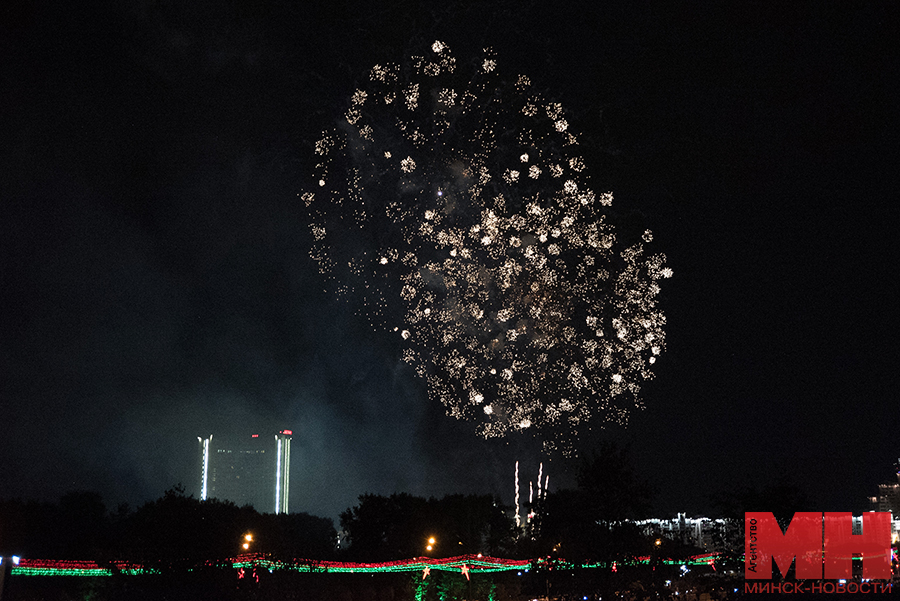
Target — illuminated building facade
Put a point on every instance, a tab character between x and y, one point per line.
282	470
888	498
251	470
698	531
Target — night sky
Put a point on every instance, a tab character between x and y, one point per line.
155	282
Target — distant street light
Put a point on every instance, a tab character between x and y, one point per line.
248	538
431	543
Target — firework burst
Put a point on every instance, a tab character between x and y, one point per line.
458	206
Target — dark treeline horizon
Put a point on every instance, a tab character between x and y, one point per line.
592	521
173	527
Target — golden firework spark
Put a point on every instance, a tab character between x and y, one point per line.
468	205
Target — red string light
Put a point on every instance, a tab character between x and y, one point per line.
466	564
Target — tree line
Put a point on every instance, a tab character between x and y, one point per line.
175	527
592	522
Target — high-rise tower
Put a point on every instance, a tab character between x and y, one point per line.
247	470
888	498
283	471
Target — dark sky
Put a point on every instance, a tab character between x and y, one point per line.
155	283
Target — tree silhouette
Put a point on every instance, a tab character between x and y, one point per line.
591	522
382	528
782	498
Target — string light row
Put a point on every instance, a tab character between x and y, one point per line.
57	567
475	564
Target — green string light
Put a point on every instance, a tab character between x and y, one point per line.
472	563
